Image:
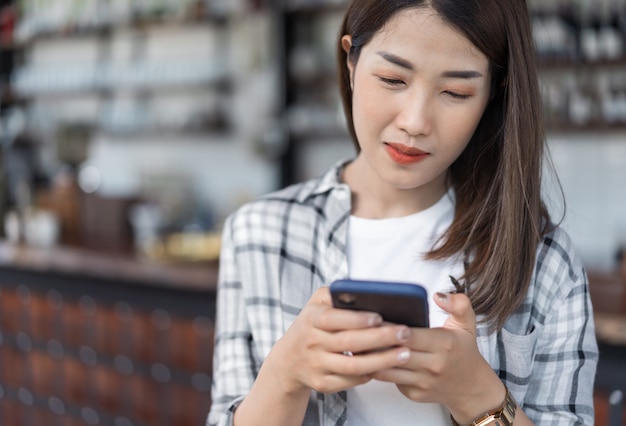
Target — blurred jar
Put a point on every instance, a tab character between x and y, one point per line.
41	228
12	227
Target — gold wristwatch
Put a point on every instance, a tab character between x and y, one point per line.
501	416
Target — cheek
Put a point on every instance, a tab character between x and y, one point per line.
462	127
368	111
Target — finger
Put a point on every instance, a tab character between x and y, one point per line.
343	372
332	383
459	307
321	295
420	368
334	319
367	364
400	376
368	340
330	319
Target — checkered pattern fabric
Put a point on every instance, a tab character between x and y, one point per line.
277	250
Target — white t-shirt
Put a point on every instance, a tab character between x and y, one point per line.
392	250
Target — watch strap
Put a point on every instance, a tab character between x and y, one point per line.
501	416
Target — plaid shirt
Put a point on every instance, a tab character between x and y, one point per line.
279	249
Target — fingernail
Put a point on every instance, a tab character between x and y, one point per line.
375	319
403	334
443	297
404	355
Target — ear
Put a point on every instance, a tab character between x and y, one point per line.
346	44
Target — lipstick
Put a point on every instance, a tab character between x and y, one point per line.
403	154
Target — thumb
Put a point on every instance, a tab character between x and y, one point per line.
459	307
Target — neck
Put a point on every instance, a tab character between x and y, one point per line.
374	198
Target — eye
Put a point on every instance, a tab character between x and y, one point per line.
456	95
391	81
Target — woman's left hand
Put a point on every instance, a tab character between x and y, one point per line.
446	367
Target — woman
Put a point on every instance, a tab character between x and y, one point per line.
442	102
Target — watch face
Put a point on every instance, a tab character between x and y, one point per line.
494	421
502	416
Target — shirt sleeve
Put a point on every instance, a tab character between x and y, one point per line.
233	368
561	385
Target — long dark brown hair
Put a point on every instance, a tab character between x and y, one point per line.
499	217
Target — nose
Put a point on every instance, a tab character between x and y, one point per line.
414	115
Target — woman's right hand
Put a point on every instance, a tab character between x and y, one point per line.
310	356
312	352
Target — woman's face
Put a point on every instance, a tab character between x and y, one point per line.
419	91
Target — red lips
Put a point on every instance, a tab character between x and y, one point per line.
403	154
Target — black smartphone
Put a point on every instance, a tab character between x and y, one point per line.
400	303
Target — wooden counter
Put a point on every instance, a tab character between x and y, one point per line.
88	338
89	263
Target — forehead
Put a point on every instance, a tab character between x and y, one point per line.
420	33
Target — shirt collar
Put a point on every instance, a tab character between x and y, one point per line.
327	182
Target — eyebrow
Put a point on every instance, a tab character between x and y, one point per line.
461	74
396	60
403	63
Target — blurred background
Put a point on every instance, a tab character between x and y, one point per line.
129	130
